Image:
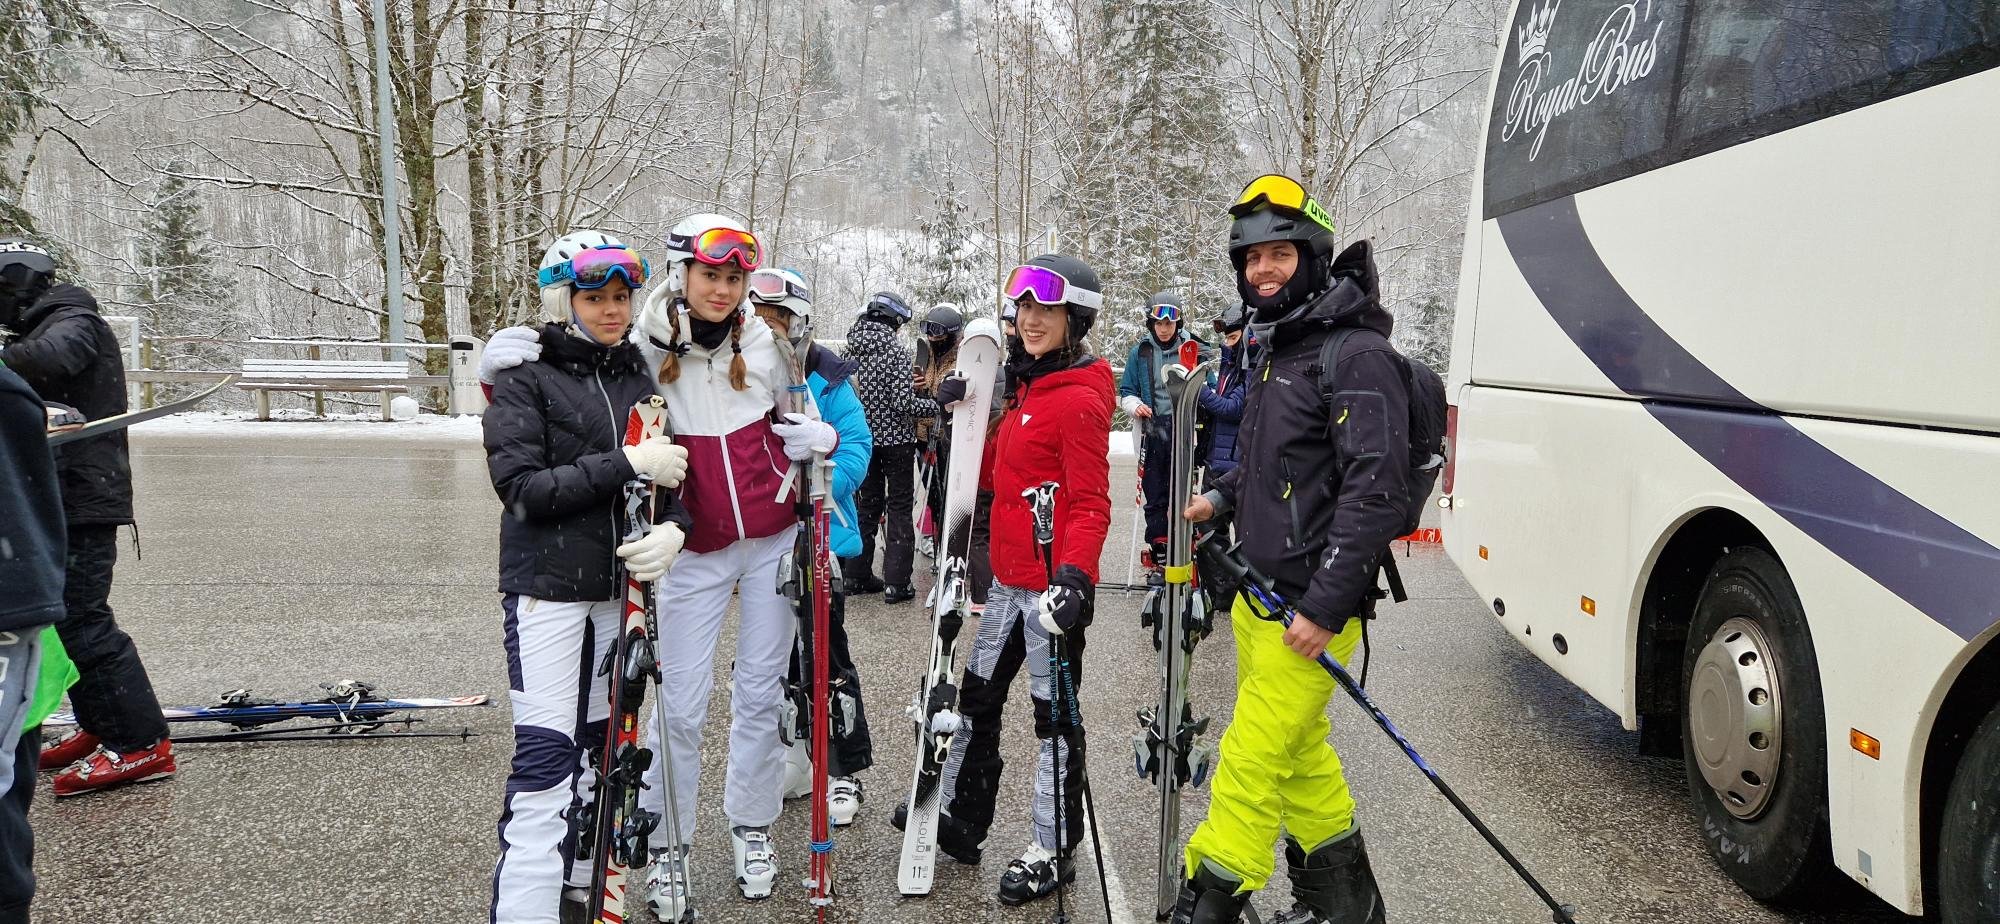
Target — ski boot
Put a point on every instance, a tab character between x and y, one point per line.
843	800
798	771
1033	875
859	579
1155	559
575	907
1333	884
756	863
107	768
1211	897
899	593
666	886
957	842
68	749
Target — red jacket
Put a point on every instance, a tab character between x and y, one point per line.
1057	428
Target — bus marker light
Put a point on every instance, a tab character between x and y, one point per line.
1589	606
1865	743
1482	553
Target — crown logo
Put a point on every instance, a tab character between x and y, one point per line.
1534	34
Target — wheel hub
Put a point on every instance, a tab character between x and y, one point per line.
1736	717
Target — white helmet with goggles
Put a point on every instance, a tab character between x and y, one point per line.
586	259
784	288
712	239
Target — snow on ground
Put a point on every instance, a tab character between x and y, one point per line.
299	423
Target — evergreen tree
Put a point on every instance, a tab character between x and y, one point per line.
182	290
35	37
946	263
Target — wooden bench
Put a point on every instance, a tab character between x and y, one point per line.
263	376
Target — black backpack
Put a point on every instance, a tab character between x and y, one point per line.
1426	431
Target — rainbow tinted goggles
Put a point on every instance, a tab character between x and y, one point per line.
1276	190
1164	311
718	246
592	268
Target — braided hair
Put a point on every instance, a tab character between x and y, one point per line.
670	364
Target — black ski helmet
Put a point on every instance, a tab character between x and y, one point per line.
1233	318
945	321
1079	274
1167	297
887	307
1314	241
26	272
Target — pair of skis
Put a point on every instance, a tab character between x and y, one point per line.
1164	748
350	709
934	711
613	831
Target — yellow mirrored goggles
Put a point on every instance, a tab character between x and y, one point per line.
1279	191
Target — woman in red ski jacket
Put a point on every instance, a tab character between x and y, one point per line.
1057	427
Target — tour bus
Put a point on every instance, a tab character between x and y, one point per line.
1725	424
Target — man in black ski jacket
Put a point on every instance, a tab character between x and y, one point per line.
32	573
65	351
1317	497
887	495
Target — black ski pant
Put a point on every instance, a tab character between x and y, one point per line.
19	749
886	500
973	774
113	696
1158	472
850	750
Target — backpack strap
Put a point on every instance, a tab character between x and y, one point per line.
1329	355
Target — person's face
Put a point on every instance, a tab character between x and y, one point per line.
606	311
1268	266
715	292
779	320
1163	330
1232	338
1044	328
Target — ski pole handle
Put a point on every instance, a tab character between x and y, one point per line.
1042	498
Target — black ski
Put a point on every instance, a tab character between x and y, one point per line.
105	425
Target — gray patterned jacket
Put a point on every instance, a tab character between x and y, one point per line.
883	381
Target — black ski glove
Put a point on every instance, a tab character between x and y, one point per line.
950	391
1069	603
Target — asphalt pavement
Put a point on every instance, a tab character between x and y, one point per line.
277	562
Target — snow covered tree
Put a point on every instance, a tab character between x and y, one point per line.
182	290
946	263
36	37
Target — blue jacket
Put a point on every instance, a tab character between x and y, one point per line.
1142	369
1222	400
841	407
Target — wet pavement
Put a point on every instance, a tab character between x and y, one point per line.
276	562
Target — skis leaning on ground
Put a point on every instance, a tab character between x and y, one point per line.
1178	615
350	708
935	710
613	831
104	425
809	575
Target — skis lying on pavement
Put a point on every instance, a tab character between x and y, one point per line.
1164	746
935	709
613	829
352	707
1230	564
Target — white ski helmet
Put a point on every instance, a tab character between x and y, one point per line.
555	297
681	243
784	288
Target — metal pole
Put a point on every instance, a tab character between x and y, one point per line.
385	125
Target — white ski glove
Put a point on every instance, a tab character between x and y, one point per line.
648	557
804	436
509	347
660	458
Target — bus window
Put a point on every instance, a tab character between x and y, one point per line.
1758	67
1584	97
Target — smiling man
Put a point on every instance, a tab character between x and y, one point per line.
1318	494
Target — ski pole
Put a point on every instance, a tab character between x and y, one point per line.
1253	582
1042	497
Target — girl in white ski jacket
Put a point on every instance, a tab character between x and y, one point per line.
725	384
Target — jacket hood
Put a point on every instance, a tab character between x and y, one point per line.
60	295
1090	373
578	356
663	306
1352	300
869	331
829	365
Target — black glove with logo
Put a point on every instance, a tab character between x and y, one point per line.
1069	603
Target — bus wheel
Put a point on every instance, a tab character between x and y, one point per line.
1753	730
1969	844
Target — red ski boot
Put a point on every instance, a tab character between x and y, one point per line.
68	749
107	768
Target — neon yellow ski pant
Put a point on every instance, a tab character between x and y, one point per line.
1277	770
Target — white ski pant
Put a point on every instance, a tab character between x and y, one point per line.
693	599
553	652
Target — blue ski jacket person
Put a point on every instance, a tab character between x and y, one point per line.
828	376
1223	400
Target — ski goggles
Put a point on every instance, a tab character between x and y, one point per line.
592	268
936	330
772	288
1163	311
1275	190
717	246
1048	287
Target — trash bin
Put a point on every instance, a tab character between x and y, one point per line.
466	395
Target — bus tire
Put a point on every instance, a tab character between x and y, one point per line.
1969	840
1753	731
